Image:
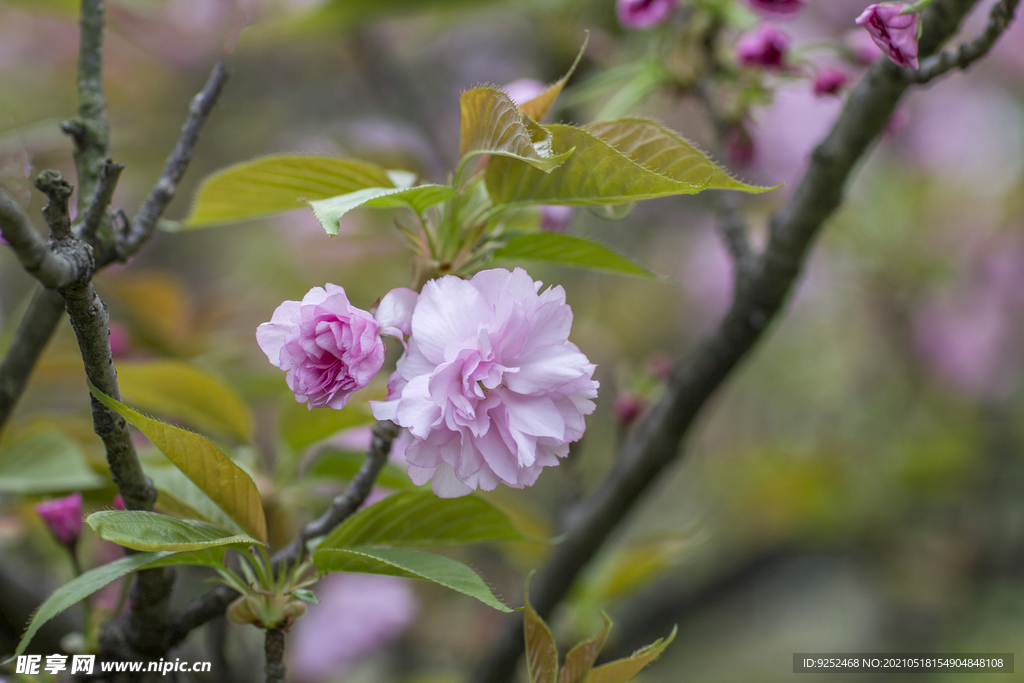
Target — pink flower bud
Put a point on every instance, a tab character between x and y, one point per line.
829	81
627	406
64	517
861	47
778	6
765	46
329	348
118	502
555	218
643	13
892	31
120	340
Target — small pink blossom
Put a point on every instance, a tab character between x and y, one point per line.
118	502
628	406
554	218
120	339
892	31
860	47
778	6
329	348
830	81
643	13
765	46
64	517
490	386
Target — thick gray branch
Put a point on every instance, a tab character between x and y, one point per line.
51	268
655	444
962	56
273	647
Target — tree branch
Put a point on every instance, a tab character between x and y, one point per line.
213	603
962	56
655	444
34	331
97	211
273	646
52	269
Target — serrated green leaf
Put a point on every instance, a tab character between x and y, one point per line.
492	124
333	463
227	484
45	462
140	530
595	173
623	670
538	107
666	152
410	564
568	250
329	211
278	183
580	659
541	651
178	496
421	519
183	390
91	581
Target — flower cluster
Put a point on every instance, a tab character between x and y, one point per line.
490	387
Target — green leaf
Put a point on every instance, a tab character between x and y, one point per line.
329	211
305	595
332	463
410	564
580	659
302	427
45	462
666	152
541	652
652	76
623	670
278	183
419	518
492	124
152	531
91	581
595	173
538	107
178	496
568	250
227	484
183	390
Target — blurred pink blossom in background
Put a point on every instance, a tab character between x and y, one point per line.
643	13
829	81
765	46
358	615
64	517
778	6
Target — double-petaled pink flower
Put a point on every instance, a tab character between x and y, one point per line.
893	31
765	46
490	387
329	348
643	13
64	517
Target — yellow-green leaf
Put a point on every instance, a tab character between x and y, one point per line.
623	670
140	530
420	518
492	124
227	484
329	211
177	388
278	183
568	250
539	105
594	174
410	564
582	656
179	497
541	652
45	461
666	152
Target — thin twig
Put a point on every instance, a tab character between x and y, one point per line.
45	310
163	192
962	56
655	444
110	172
273	646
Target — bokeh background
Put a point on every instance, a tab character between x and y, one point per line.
857	485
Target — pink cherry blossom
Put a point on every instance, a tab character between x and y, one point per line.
643	13
829	81
892	31
765	46
64	517
357	616
778	6
328	347
490	386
